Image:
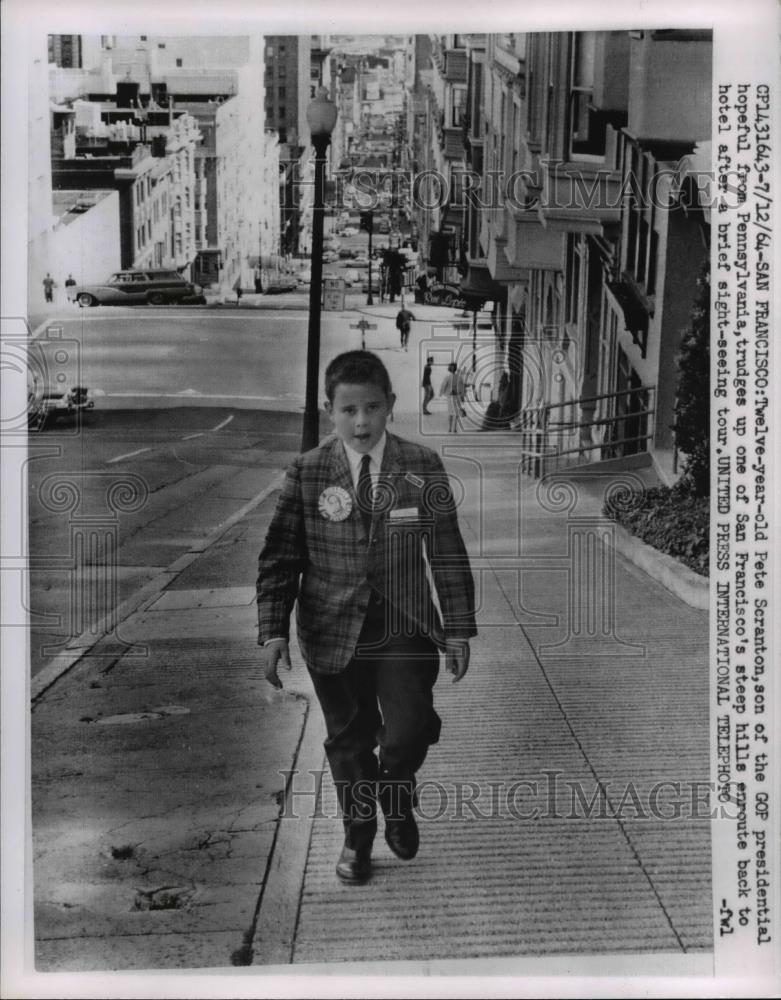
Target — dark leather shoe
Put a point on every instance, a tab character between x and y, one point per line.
354	867
402	837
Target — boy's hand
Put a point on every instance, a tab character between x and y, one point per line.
457	657
275	654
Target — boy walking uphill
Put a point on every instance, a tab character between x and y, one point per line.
362	524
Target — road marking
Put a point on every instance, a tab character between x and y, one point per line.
130	454
74	652
213	430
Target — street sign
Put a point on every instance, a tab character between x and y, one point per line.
333	294
363	325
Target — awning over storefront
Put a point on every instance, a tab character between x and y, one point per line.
478	286
636	317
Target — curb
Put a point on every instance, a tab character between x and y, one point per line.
78	648
689	586
274	937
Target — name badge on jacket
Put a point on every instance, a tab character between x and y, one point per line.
403	514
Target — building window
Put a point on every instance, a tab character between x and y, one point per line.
161	45
459	107
534	102
503	132
281	93
515	138
587	131
143	38
573	278
641	238
179	63
282	111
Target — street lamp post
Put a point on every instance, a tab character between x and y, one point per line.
370	297
321	117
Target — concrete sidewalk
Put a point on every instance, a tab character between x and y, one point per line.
157	791
543	807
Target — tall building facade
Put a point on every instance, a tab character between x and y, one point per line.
580	234
287	86
287	94
176	126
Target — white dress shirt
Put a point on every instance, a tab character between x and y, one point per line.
375	463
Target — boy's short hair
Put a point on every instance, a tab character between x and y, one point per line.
356	368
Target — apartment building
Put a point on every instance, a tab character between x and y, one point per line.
580	221
180	134
147	157
288	89
439	152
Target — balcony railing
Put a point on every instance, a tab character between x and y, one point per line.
625	430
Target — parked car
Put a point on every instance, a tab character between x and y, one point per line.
303	275
47	402
154	286
360	260
354	275
329	256
280	283
346	253
350	231
445	295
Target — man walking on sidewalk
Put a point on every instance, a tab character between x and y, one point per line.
368	627
404	320
49	284
428	388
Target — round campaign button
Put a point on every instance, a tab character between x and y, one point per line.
335	503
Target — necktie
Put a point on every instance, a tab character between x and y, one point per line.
365	493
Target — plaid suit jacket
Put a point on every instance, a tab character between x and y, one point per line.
317	553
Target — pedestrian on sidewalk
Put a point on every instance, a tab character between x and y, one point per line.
367	624
238	290
454	390
421	287
49	284
404	320
428	388
70	285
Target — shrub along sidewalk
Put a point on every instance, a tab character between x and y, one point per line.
673	520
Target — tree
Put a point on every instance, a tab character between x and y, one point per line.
692	408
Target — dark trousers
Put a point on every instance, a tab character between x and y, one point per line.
382	699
